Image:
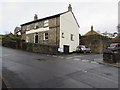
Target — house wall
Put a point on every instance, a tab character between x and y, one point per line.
68	26
53	32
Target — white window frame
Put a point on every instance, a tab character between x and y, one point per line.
36	25
35	35
27	39
46	23
44	37
28	27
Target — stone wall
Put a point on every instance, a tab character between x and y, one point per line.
53	32
39	48
97	43
32	47
11	43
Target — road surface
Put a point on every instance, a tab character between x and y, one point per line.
23	69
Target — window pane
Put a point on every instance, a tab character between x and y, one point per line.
28	27
71	37
62	35
46	23
45	35
36	25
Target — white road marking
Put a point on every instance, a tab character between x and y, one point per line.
76	59
69	57
85	60
78	56
85	71
93	62
54	56
60	57
48	55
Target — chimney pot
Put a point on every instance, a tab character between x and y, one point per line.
69	7
91	27
35	17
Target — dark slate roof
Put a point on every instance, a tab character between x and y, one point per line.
57	15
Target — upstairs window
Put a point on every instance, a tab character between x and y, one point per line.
71	37
45	35
28	27
46	23
36	25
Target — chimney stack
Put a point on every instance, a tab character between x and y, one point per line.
92	28
69	7
35	17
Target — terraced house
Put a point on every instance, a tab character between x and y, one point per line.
61	29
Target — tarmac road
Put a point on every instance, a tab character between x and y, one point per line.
24	69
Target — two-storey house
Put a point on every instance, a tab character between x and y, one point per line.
61	29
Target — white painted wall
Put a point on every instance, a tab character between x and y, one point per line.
68	26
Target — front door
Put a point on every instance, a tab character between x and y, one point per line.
36	38
66	49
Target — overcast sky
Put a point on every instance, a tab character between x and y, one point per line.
102	14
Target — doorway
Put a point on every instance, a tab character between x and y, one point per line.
36	38
66	49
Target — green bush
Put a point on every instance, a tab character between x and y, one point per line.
10	36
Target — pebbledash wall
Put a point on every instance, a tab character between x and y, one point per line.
69	26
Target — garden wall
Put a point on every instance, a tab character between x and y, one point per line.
32	47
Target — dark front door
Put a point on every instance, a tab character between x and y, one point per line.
36	38
66	49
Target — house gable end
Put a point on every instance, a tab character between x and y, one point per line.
73	17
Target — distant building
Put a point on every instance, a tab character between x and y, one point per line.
109	35
17	31
61	30
92	32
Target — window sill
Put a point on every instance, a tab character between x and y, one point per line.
45	40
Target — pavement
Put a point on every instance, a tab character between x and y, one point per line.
23	69
96	58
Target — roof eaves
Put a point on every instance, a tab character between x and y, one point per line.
75	19
56	15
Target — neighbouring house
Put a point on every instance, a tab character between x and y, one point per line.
95	41
17	31
92	32
61	30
